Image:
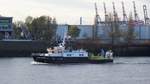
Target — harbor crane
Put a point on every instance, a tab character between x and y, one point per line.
97	21
105	12
135	12
124	13
146	18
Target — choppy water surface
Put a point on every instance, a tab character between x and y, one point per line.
135	70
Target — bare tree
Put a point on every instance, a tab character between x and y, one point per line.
130	35
114	31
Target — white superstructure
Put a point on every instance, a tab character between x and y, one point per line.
60	50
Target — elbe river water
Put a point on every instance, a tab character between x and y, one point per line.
124	70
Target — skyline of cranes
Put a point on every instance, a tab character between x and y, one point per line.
124	15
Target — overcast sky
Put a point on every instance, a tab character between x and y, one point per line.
66	11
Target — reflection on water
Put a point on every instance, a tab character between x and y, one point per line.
123	71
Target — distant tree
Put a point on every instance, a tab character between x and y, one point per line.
54	21
17	29
129	34
114	31
43	28
73	31
28	20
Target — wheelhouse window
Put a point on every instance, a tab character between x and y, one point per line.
68	55
80	54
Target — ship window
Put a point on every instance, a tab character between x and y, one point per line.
80	54
68	54
52	51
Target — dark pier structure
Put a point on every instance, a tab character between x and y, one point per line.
25	48
21	48
138	48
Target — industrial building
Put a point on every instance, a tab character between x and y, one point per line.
6	28
86	31
100	29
